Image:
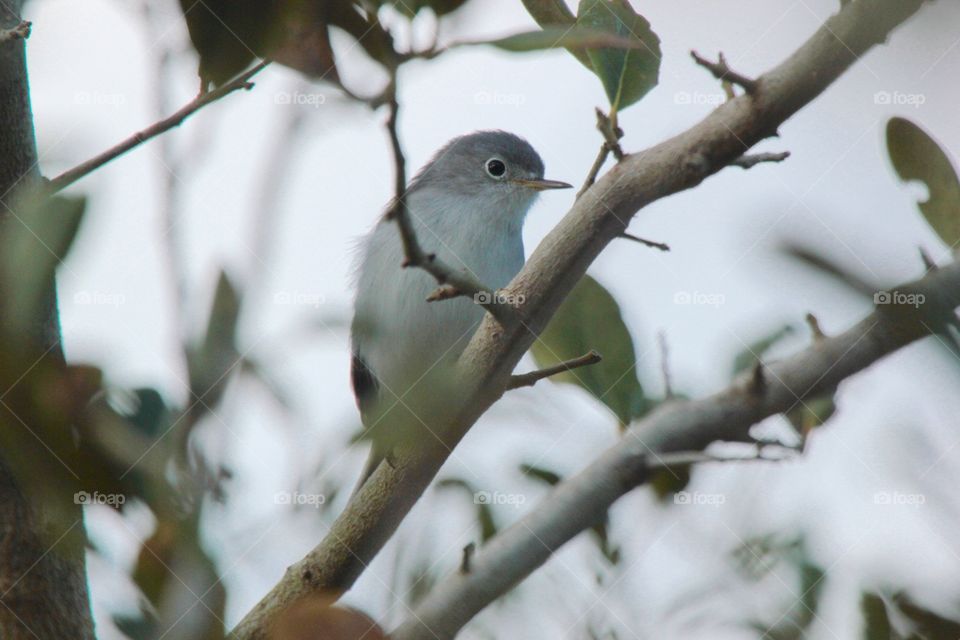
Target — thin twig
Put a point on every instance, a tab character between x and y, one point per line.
722	71
674	459
928	262
17	32
595	169
467	555
70	176
607	126
650	243
749	160
815	329
665	365
531	378
454	283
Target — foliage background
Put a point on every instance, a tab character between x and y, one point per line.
277	193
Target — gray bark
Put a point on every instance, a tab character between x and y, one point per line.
43	581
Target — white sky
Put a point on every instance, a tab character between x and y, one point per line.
93	79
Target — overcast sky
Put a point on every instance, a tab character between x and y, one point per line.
93	70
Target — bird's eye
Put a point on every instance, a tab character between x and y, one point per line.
496	168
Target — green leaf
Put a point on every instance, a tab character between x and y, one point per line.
917	156
627	75
211	363
749	356
488	526
34	240
555	37
876	622
590	319
554	13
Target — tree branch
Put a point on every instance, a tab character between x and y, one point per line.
581	501
559	262
20	31
722	71
662	246
70	176
747	161
533	377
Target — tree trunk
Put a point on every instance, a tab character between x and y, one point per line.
43	581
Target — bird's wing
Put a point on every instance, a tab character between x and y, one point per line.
365	386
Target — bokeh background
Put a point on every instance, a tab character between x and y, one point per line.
276	185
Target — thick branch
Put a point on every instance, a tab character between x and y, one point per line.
533	377
70	176
556	266
579	502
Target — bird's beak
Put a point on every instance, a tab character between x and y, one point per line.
542	185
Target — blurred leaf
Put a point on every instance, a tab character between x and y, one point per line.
876	622
319	618
488	526
212	362
34	240
556	37
590	319
180	582
928	625
229	34
749	356
543	475
555	13
440	7
917	156
599	530
667	482
811	413
627	75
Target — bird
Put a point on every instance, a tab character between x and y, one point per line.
467	206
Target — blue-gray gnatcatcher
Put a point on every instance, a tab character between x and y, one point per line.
467	206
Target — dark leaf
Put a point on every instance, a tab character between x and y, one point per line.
917	156
590	319
482	500
557	37
627	75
